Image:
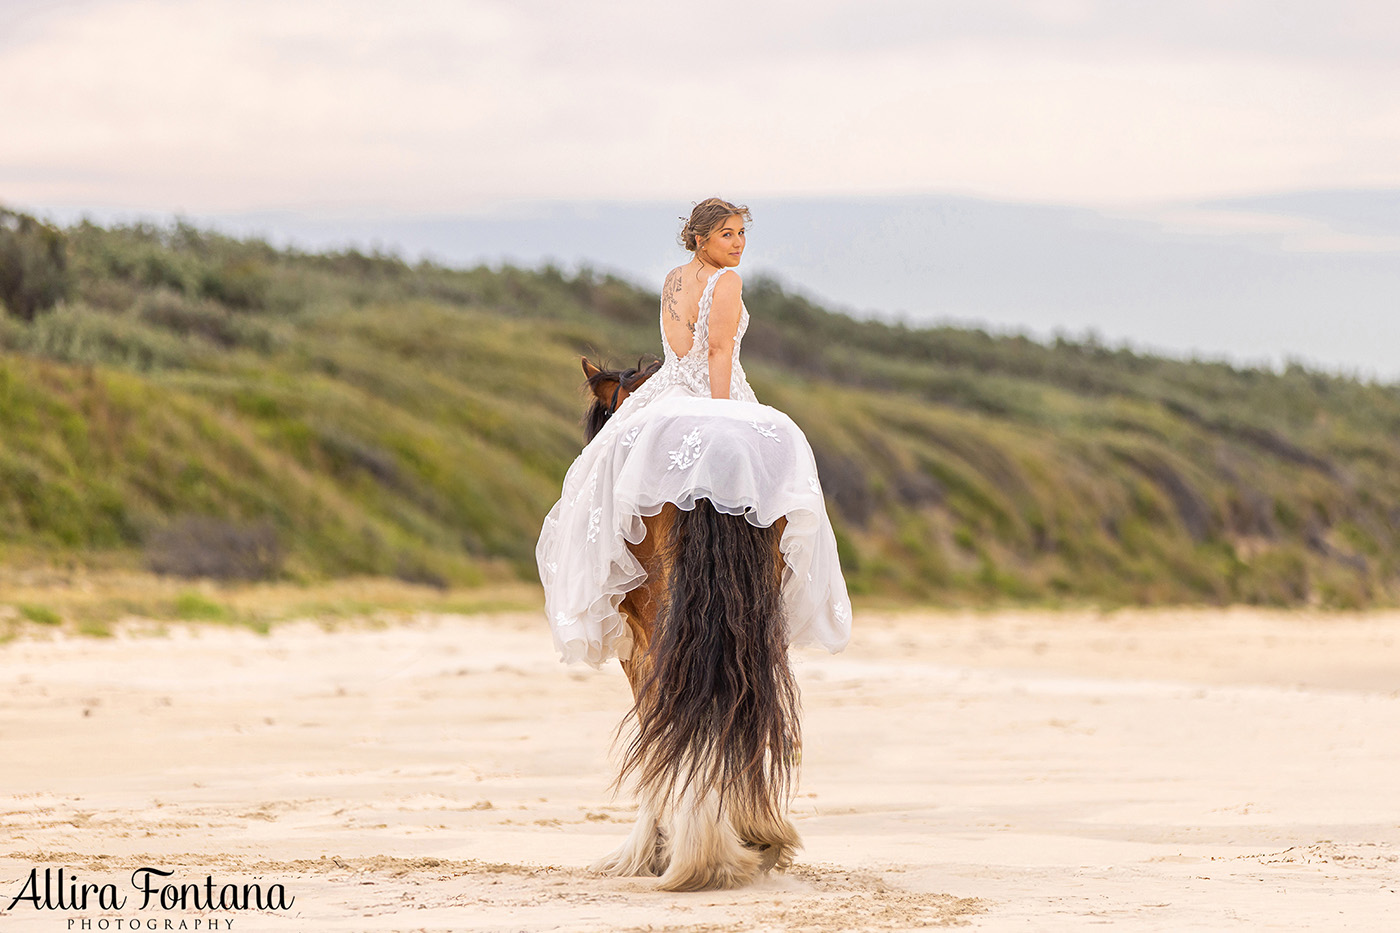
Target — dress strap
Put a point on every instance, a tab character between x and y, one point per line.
710	285
707	298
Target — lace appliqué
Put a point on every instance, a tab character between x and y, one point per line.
631	436
687	453
592	485
595	516
766	431
813	485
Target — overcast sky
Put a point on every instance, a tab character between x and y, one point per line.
449	105
1213	176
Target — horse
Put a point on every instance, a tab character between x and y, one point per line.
715	704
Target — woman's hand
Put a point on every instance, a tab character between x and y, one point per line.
726	305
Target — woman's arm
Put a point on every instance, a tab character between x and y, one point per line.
725	307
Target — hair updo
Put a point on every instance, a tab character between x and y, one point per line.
706	218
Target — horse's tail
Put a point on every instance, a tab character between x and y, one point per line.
718	704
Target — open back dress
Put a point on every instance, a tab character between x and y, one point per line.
669	441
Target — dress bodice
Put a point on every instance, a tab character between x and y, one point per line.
691	372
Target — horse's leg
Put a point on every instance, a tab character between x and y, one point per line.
643	853
775	840
704	850
640	606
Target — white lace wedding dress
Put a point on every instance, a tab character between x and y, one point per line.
669	441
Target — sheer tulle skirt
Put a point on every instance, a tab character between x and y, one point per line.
746	458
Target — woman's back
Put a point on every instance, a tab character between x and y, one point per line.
680	307
685	338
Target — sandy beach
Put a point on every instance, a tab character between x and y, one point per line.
1162	770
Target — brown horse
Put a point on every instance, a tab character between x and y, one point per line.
715	704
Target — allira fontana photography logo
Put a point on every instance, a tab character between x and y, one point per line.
148	889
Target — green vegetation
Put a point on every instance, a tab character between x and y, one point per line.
40	615
33	265
37	601
168	394
196	607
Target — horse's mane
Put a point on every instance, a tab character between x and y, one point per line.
599	411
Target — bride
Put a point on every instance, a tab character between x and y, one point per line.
693	430
715	234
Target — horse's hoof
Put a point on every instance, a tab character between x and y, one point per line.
767	855
734	869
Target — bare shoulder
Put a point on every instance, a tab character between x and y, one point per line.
729	286
726	310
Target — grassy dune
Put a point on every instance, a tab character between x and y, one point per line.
413	421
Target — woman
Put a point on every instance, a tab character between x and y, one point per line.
693	430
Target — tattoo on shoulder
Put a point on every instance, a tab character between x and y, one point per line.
670	292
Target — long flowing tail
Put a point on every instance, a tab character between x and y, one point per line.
718	708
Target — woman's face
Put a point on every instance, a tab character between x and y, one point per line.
725	244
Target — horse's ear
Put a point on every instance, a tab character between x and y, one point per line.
602	388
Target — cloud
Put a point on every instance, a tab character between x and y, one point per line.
458	104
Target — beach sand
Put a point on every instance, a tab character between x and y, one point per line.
1159	770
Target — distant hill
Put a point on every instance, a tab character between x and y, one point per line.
414	420
1312	276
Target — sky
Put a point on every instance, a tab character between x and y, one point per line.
1245	124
